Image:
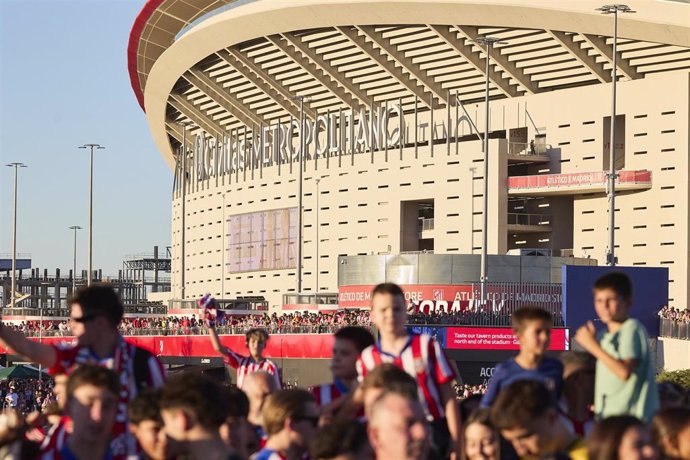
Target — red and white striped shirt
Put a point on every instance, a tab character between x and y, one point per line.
326	393
424	360
246	365
123	362
55	439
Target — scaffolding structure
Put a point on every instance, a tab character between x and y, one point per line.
40	290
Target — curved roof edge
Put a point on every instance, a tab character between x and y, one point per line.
133	47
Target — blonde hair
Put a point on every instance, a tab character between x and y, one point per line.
283	405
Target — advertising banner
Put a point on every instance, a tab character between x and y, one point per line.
278	346
502	297
496	338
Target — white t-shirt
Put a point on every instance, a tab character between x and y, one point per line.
11	399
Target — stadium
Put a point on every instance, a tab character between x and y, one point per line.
392	98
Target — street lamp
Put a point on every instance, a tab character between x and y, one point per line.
91	147
74	258
16	166
612	174
316	291
488	42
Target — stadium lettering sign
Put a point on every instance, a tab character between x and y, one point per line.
333	134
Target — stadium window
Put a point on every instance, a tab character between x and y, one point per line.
589	211
640	208
564	143
637	227
428	182
667	243
383	186
644	115
640	152
588	158
668	187
564	126
450	163
668	113
453	180
668	225
639	245
590	122
639	134
406	184
585	141
667	206
668	150
668	131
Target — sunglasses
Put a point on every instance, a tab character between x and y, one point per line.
314	421
84	319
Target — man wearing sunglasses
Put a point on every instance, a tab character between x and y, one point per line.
290	419
95	314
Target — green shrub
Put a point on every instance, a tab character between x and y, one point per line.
681	377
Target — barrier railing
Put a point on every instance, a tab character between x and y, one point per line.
674	329
517	218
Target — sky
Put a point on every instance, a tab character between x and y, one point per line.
64	83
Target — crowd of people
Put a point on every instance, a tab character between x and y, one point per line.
675	314
397	397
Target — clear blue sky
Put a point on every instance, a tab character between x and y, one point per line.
64	83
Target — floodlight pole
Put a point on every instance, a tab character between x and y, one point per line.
13	295
612	174
74	258
488	43
89	278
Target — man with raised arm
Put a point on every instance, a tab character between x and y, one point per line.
95	313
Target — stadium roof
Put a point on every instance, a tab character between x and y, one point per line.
224	64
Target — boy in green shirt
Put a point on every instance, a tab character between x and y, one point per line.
625	383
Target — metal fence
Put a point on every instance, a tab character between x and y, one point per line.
674	329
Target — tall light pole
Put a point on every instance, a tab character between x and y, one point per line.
74	258
316	291
612	174
16	166
488	43
302	148
91	147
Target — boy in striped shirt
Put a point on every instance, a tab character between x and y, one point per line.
350	341
420	356
255	339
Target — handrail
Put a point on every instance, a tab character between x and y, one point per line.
519	218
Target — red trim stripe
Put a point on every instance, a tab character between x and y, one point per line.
133	46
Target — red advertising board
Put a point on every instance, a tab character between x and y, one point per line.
359	296
496	338
279	346
505	297
577	179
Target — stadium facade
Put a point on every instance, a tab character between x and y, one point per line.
392	97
